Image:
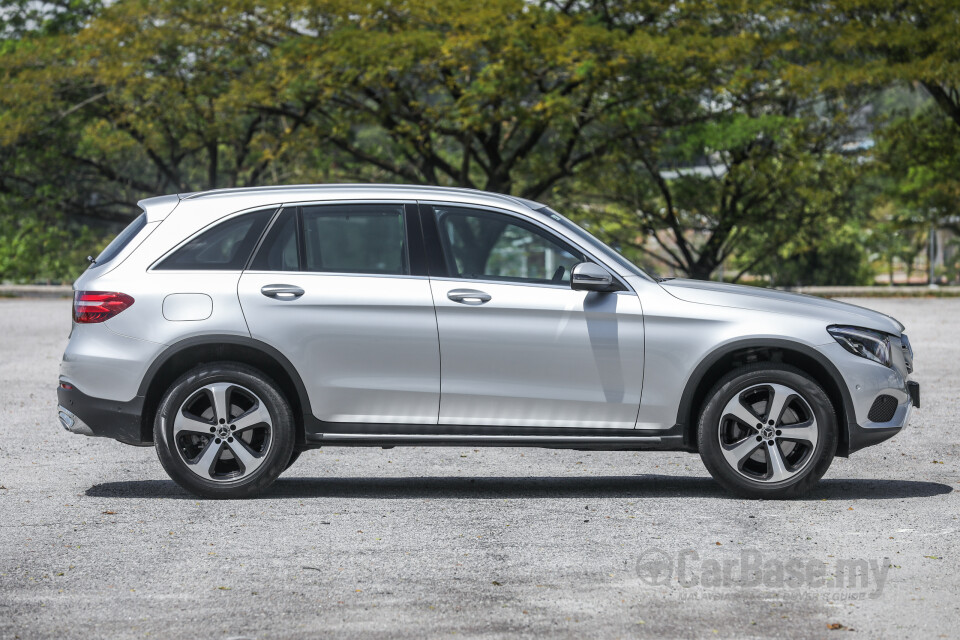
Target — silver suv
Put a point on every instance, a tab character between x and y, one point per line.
235	329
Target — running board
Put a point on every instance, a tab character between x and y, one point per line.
480	440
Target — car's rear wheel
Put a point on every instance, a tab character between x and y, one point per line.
767	431
224	430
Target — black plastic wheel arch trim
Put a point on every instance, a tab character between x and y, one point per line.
225	339
855	440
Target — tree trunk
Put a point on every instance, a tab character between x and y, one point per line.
702	269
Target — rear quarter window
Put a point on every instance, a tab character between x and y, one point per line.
224	247
121	241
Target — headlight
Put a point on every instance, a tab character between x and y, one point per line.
865	343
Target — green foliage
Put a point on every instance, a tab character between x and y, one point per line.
692	135
923	151
743	187
869	44
32	251
832	258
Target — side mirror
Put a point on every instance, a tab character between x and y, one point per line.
587	276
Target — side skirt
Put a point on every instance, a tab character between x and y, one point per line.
366	435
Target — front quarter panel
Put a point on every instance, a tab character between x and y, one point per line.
680	335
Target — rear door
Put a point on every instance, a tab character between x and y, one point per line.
338	289
518	347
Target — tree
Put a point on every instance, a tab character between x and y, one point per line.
109	103
734	158
507	96
922	166
866	44
134	104
762	186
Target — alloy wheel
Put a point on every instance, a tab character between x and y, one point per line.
223	432
768	433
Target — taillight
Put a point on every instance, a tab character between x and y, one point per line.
97	306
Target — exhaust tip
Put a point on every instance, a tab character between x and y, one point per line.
72	423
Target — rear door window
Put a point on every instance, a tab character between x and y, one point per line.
360	238
337	238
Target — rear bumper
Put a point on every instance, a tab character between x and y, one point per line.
72	423
89	416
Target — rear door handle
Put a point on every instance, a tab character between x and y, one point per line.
468	296
282	291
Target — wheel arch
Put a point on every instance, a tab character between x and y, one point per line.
186	354
729	356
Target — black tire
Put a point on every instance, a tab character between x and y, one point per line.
293	458
753	478
276	439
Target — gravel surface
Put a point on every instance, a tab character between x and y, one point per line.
95	541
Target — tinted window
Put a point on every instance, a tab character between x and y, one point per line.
122	240
226	246
484	245
279	250
354	239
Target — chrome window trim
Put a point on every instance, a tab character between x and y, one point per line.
279	208
341	274
562	287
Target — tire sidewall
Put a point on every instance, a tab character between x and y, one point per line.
736	382
283	435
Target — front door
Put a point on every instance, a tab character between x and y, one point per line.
332	288
518	346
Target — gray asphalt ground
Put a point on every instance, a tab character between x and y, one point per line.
95	541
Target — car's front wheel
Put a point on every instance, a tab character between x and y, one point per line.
767	431
224	430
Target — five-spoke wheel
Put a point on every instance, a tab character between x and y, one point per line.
767	431
224	430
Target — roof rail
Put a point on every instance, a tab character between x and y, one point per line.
334	187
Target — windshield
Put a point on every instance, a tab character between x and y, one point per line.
588	239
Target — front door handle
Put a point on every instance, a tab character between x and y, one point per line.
468	296
282	291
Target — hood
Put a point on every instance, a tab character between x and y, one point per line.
775	301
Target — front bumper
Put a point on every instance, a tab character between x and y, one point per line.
914	389
89	416
865	382
874	432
